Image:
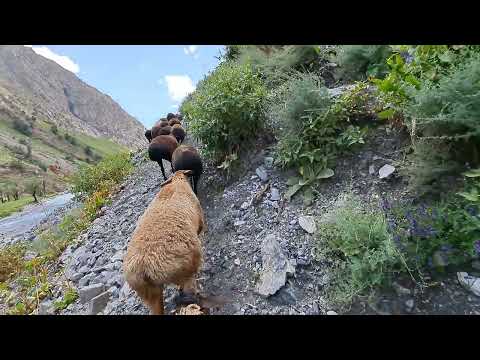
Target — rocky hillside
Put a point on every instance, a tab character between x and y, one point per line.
259	249
51	122
38	85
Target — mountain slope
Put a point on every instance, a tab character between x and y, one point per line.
62	98
51	122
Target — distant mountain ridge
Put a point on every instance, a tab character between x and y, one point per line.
35	85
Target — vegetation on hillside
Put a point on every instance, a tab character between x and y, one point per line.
37	152
431	91
24	279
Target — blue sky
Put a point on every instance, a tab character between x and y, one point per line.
148	81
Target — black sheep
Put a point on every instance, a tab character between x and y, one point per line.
162	147
148	135
186	157
178	132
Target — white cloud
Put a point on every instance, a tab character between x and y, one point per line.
160	82
63	61
174	106
179	86
191	50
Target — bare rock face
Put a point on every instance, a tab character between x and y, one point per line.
276	267
59	96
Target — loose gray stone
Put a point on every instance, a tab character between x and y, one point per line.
84	269
331	312
471	283
77	276
274	194
114	291
276	267
385	171
117	257
89	292
262	174
86	279
307	223
285	296
46	308
410	303
371	169
268	162
125	291
400	290
245	205
98	303
239	223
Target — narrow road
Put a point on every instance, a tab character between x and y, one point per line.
19	223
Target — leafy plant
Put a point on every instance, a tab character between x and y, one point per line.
276	63
23	126
359	61
448	230
111	170
11	260
366	255
314	129
69	297
226	111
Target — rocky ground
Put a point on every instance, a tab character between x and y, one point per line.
259	249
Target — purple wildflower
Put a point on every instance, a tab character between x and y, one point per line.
446	247
472	210
386	205
476	246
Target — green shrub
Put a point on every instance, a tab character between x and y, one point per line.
441	234
54	129
276	64
452	108
359	61
226	110
34	187
231	52
11	260
17	165
22	126
69	297
110	171
358	239
88	151
40	164
314	129
71	139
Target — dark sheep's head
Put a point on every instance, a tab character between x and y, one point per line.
170	116
148	135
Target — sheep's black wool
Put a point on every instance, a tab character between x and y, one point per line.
170	116
187	158
148	135
179	133
162	147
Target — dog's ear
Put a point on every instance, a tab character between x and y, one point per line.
166	182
